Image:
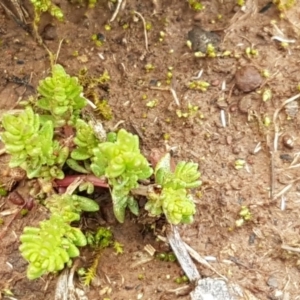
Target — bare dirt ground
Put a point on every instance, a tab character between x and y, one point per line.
262	255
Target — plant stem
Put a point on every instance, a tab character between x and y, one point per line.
90	178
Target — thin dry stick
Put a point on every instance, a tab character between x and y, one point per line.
58	51
201	260
116	11
272	177
145	29
173	92
288	248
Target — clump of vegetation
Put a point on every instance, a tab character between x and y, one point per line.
91	84
50	133
42	6
99	240
284	5
198	85
55	242
172	197
123	165
31	146
196	5
61	96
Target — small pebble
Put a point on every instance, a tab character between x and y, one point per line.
198	16
229	140
276	295
288	141
272	282
233	108
236	150
49	33
245	104
247	79
215	82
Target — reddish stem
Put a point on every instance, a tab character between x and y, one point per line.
90	178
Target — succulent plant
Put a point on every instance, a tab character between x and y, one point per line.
123	165
31	146
55	242
61	95
172	197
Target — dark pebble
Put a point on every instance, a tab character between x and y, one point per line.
49	33
201	38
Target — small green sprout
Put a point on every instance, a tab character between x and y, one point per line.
283	5
181	114
125	26
98	42
196	5
3	191
161	36
267	121
210	50
118	247
265	73
166	136
239	164
240	2
104	78
148	26
92	3
149	67
198	85
250	51
7	292
189	44
152	103
192	111
245	215
107	27
267	95
284	45
169	75
182	279
166	256
199	54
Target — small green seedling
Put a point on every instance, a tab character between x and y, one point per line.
199	85
149	67
196	5
245	215
251	52
267	95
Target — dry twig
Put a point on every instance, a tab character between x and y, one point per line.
145	29
116	11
